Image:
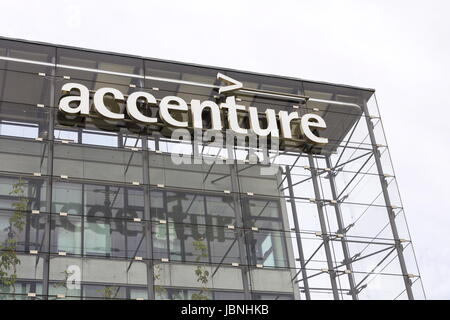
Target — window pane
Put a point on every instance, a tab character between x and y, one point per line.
196	243
25	121
88	163
268	248
194	208
28	237
31	191
25	88
93	66
27	51
23	156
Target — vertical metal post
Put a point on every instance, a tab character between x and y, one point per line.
148	228
148	220
46	258
387	200
241	237
240	225
297	234
323	227
340	222
48	198
46	255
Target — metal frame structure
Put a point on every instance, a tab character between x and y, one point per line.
325	262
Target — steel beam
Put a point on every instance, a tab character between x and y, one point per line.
50	138
340	222
323	227
243	254
46	240
148	221
148	228
387	200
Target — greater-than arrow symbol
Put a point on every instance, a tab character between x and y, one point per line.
233	84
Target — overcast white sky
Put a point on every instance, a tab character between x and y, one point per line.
400	48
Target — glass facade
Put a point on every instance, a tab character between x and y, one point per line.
96	209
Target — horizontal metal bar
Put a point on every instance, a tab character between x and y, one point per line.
192	83
338	103
48	64
272	94
114	73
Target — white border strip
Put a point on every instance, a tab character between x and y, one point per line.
100	71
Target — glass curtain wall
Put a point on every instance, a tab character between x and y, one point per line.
96	209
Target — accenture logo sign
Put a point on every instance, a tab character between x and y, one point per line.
76	101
